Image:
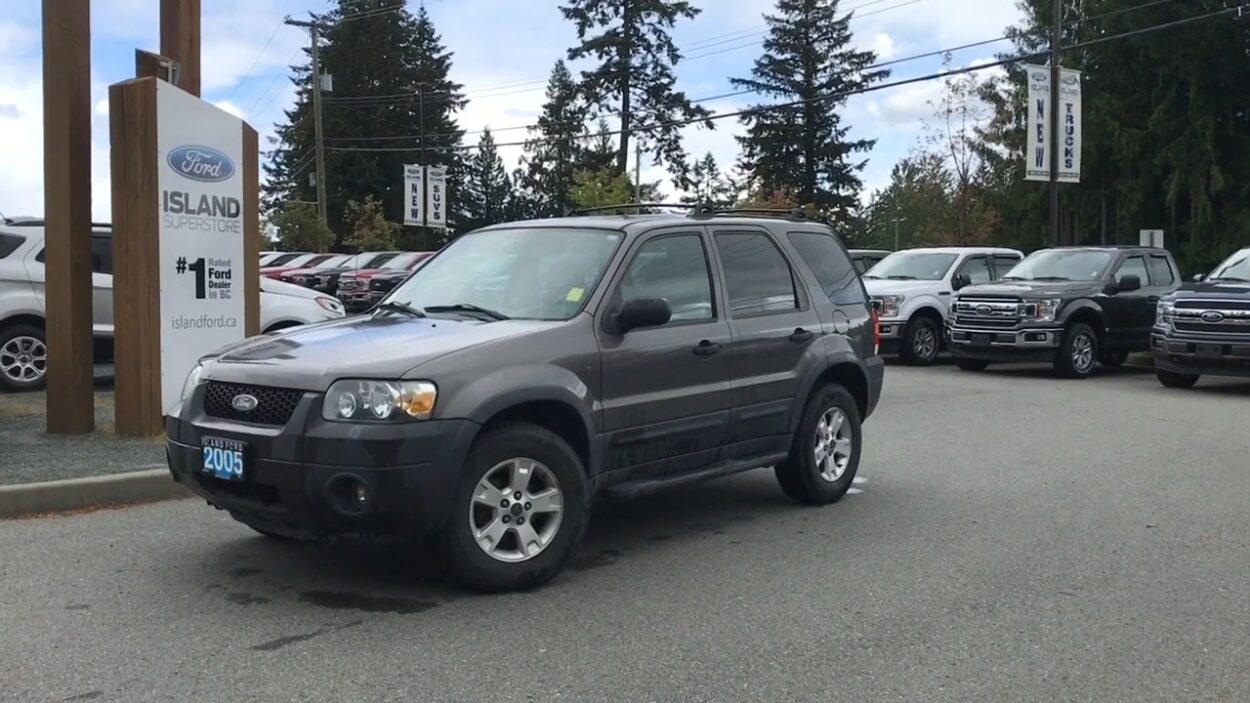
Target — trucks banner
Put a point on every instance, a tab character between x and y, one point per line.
1037	155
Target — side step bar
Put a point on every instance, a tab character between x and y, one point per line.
633	489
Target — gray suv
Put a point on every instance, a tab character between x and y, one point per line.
530	366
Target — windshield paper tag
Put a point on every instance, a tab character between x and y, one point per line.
575	295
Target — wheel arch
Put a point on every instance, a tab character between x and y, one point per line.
24	319
846	371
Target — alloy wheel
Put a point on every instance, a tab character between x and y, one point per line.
833	444
1083	353
24	360
925	343
516	511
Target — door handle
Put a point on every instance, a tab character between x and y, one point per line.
802	336
707	348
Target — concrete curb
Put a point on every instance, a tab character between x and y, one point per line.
77	493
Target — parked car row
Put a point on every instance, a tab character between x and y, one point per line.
1073	307
23	316
348	277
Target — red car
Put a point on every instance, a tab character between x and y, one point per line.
354	287
300	262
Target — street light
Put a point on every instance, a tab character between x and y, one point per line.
896	221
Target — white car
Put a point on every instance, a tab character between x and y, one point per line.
912	291
23	351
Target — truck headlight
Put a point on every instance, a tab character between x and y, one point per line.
366	400
1163	313
192	380
890	305
1044	309
330	304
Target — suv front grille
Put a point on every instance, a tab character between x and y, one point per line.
274	406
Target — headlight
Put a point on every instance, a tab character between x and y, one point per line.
331	304
890	305
1163	313
379	401
1045	309
193	380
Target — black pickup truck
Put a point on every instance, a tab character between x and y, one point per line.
1204	328
1071	306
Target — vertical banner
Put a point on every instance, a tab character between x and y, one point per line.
1037	151
201	250
414	195
436	178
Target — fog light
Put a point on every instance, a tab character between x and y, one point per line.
348	495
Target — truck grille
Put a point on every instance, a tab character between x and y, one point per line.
350	284
274	405
1212	317
988	312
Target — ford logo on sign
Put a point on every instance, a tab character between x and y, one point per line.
201	163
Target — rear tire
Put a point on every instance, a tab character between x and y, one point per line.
23	358
489	548
972	364
829	428
922	340
1176	380
1078	352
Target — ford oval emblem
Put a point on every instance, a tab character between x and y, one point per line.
244	403
201	163
984	310
1212	316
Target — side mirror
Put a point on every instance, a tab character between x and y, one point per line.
643	312
1199	277
961	280
1127	284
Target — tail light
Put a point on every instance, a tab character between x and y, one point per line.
876	330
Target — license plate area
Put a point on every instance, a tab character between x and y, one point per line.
980	339
1209	351
223	458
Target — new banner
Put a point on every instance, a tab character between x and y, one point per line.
1037	153
436	177
414	195
200	179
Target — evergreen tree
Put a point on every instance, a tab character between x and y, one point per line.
553	152
635	73
708	184
804	148
379	63
488	197
370	230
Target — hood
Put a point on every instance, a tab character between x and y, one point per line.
390	346
1212	288
364	273
884	286
1022	289
276	287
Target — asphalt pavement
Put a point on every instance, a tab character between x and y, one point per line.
1014	538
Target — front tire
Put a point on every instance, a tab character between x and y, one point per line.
1078	352
972	364
497	541
1176	380
922	340
824	454
23	358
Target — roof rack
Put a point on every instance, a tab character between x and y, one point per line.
698	210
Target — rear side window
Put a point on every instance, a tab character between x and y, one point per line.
9	244
1161	271
757	277
834	272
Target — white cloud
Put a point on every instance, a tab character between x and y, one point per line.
883	46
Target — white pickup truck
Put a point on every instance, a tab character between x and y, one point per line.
23	350
912	291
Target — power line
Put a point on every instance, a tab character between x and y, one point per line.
256	60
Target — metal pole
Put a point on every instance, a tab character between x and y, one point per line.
317	129
896	234
637	171
1056	36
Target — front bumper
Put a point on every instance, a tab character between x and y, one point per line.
295	475
1203	356
1007	345
892	330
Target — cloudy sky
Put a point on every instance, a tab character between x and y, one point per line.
504	50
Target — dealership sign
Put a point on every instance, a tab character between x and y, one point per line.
201	232
425	196
1040	114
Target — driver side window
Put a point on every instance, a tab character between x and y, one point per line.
1133	266
977	269
673	268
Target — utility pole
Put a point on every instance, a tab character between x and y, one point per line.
1056	37
318	136
896	221
637	171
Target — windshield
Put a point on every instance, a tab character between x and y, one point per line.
1235	268
1060	265
403	261
913	266
333	262
538	273
283	259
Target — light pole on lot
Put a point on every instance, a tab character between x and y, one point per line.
896	221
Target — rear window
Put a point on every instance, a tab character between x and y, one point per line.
9	244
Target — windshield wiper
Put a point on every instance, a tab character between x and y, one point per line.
1230	279
469	307
875	278
902	278
1051	278
395	306
1012	278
